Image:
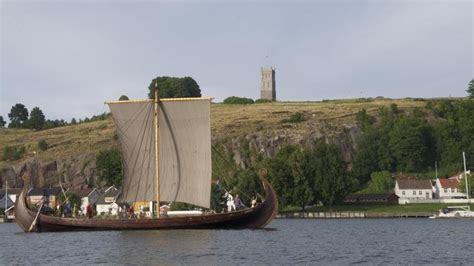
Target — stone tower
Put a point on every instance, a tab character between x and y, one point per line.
267	84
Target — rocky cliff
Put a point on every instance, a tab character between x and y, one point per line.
237	129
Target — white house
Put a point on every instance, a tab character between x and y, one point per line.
409	188
87	196
448	189
106	204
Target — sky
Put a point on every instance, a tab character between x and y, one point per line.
68	57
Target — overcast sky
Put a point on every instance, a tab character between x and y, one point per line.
68	57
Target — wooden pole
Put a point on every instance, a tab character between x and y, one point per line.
157	154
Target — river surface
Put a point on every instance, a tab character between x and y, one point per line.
285	241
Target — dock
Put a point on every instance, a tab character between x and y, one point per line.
350	215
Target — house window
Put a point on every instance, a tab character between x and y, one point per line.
403	192
420	192
414	192
445	190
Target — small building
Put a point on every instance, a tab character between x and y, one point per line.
6	204
107	202
371	198
49	195
410	188
87	196
12	193
448	188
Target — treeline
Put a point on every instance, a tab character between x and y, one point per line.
21	118
243	100
414	141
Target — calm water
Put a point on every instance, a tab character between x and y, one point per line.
394	241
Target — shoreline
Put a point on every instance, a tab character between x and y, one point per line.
351	215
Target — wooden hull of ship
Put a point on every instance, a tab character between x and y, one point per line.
252	218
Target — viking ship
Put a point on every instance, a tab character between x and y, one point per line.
166	157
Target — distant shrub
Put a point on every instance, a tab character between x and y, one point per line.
123	98
13	153
263	101
238	100
294	118
42	145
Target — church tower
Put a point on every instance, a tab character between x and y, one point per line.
267	84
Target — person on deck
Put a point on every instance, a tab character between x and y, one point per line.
131	212
238	203
254	202
89	211
67	209
230	202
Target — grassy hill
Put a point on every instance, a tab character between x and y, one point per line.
227	121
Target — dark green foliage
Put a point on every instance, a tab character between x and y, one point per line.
364	120
331	181
2	122
173	87
402	142
303	180
13	153
72	198
37	119
54	123
380	182
263	101
42	145
109	166
294	118
18	116
304	177
470	89
123	98
238	100
73	121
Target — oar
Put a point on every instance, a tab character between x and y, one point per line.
36	218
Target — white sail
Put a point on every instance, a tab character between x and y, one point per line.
184	138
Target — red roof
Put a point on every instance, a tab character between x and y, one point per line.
449	183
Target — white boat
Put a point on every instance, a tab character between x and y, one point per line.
454	212
457	211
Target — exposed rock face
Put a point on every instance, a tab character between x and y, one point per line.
79	170
71	171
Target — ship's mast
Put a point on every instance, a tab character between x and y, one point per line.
6	200
157	154
465	177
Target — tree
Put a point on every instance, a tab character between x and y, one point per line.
2	122
173	87
73	121
18	116
470	89
37	119
325	164
380	182
238	100
280	174
109	166
123	98
364	120
302	180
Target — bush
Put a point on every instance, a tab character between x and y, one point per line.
109	166
42	145
263	101
238	100
294	118
13	153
